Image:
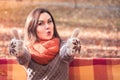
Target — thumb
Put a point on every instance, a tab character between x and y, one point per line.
15	34
75	33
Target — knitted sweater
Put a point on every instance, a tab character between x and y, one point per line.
57	69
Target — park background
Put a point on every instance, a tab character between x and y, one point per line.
98	21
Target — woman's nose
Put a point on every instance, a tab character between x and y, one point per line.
47	26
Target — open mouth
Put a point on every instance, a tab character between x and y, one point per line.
48	33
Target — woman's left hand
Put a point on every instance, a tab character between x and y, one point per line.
73	43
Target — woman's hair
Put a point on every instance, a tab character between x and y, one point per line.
32	22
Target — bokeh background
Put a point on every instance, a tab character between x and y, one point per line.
98	21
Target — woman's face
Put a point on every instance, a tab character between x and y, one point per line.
45	27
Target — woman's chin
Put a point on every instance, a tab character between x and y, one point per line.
47	38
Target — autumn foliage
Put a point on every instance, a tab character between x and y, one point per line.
98	21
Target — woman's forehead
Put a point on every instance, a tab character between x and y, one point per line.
44	16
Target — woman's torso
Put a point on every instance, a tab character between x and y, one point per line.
57	69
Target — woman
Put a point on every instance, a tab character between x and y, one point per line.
44	55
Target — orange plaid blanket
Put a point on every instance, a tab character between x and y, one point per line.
80	69
11	70
95	69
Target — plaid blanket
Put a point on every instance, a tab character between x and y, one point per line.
95	69
80	69
10	70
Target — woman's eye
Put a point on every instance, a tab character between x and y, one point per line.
49	21
40	23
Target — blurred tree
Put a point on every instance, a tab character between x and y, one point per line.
75	3
18	0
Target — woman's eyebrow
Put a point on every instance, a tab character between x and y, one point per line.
43	20
40	20
50	19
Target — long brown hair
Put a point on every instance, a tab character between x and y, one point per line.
31	24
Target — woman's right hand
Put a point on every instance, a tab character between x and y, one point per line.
16	45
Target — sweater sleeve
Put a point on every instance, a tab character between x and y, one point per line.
63	53
25	58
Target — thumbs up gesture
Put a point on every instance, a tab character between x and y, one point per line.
16	44
73	43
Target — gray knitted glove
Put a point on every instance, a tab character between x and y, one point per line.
16	45
73	43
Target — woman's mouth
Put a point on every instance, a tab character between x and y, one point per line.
48	33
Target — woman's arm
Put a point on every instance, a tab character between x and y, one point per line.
25	58
71	47
64	54
17	49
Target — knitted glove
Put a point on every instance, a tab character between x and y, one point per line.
16	45
73	43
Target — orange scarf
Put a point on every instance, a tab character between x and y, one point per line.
44	51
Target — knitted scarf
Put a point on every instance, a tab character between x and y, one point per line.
44	51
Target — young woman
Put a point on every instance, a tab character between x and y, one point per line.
44	55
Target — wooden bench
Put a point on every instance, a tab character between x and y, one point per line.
80	69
